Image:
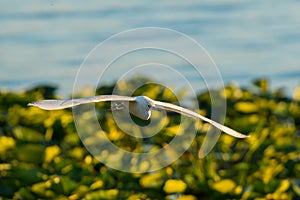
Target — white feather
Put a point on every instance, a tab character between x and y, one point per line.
139	107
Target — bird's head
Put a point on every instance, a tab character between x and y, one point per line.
141	107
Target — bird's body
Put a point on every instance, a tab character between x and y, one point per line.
139	106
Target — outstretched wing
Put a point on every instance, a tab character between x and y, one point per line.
189	113
53	104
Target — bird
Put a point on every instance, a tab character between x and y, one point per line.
139	106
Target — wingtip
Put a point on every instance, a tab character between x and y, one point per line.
244	136
32	104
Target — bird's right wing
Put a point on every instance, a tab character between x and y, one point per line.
189	113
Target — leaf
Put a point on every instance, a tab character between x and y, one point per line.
151	180
27	134
246	107
6	143
31	153
102	194
51	152
26	174
187	197
43	189
68	185
96	185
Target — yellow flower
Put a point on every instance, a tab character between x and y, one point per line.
224	186
174	186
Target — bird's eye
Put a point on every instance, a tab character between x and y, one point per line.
149	106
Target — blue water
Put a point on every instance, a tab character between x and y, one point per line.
47	41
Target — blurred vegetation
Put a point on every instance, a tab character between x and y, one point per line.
41	155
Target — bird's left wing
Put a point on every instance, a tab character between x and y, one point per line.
189	113
53	104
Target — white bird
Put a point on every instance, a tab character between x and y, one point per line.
139	106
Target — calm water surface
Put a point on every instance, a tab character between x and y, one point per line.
47	41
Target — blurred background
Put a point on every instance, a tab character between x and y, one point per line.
46	42
256	46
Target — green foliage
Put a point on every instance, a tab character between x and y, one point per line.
41	155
